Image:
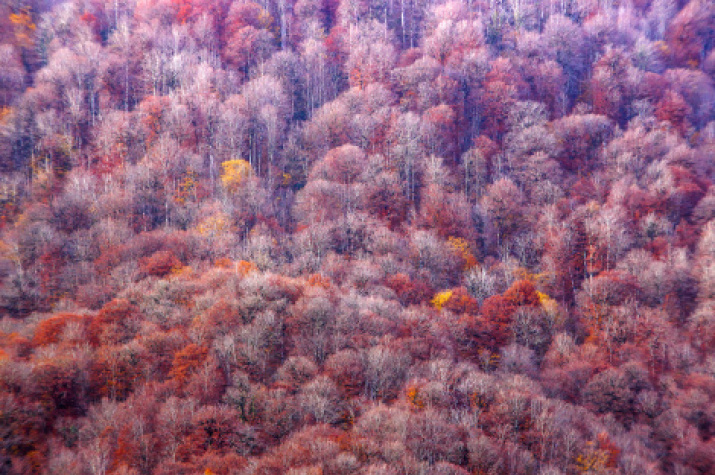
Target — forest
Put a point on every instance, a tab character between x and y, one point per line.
378	237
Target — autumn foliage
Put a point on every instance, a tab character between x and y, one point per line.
357	237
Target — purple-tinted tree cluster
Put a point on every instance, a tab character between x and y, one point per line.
348	236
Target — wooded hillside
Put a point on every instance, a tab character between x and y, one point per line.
355	236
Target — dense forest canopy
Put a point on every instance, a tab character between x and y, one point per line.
357	236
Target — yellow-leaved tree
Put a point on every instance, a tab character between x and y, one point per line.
235	173
461	247
24	27
441	298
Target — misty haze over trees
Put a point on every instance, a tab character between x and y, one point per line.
354	236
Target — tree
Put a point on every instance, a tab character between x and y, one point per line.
522	293
370	54
261	345
439	129
673	108
115	323
609	238
504	204
235	172
22	425
405	136
448	214
50	331
266	107
493	329
187	361
215	429
12	77
385	199
460	302
385	370
115	372
160	263
500	92
544	76
24	27
341	165
312	326
320	401
295	371
347	369
450	31
566	39
60	387
609	87
582	138
695	88
614	390
688	35
432	439
247	38
434	258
